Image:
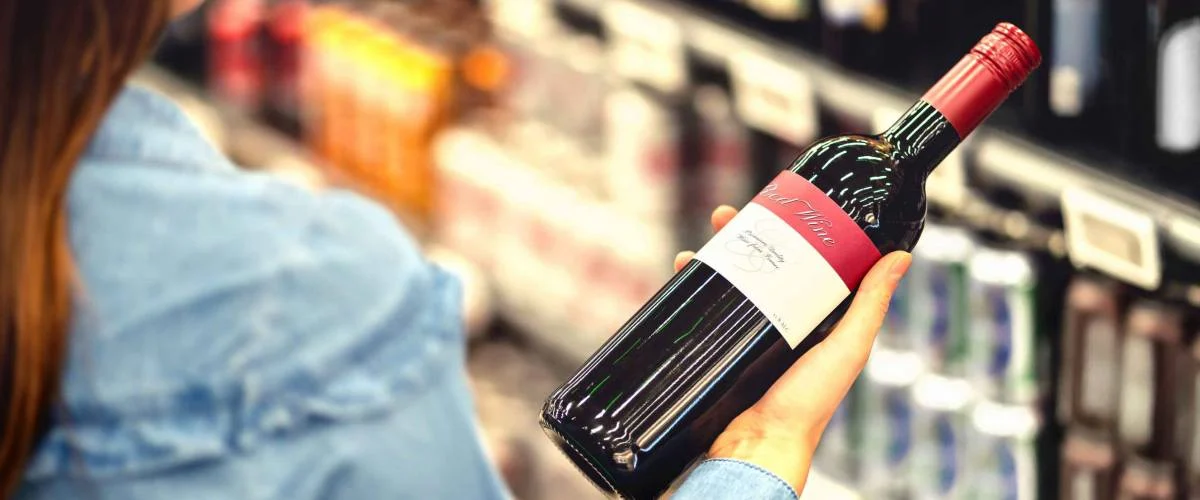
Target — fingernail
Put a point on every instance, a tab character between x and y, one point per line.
899	266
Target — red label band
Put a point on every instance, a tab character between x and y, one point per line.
823	224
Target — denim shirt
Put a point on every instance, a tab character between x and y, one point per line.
236	336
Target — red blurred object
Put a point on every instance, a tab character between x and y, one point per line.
236	59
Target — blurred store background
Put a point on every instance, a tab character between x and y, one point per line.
556	153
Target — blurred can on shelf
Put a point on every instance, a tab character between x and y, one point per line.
835	456
1002	463
1002	338
881	424
941	436
937	293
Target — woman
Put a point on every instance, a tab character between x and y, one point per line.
177	328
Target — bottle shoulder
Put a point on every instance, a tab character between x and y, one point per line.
847	148
864	175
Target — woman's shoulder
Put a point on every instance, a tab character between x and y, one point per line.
218	308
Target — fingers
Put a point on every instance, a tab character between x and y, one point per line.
855	334
682	258
722	215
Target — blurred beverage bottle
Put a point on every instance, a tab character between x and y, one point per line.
1089	466
1146	480
1091	345
1175	29
1152	358
235	72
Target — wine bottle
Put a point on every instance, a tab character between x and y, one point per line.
769	286
1177	76
1076	68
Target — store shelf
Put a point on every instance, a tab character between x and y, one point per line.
1030	169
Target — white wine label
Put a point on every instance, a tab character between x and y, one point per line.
794	253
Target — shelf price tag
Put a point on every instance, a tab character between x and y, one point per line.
645	45
947	185
1111	237
774	97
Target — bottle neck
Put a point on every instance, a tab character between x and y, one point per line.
921	138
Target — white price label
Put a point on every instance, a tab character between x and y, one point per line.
530	18
774	97
947	185
781	10
645	45
1111	237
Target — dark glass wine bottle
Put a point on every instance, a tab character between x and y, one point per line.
769	286
1068	104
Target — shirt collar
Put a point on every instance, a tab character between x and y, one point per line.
143	126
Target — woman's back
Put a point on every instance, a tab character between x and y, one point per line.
213	344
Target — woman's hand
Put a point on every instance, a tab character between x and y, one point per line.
780	432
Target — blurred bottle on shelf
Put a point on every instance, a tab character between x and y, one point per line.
1187	446
1091	353
1146	480
381	81
235	73
285	43
1151	361
1089	466
1175	25
643	172
1068	105
726	175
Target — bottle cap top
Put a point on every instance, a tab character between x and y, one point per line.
1010	53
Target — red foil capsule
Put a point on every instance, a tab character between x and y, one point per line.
976	86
